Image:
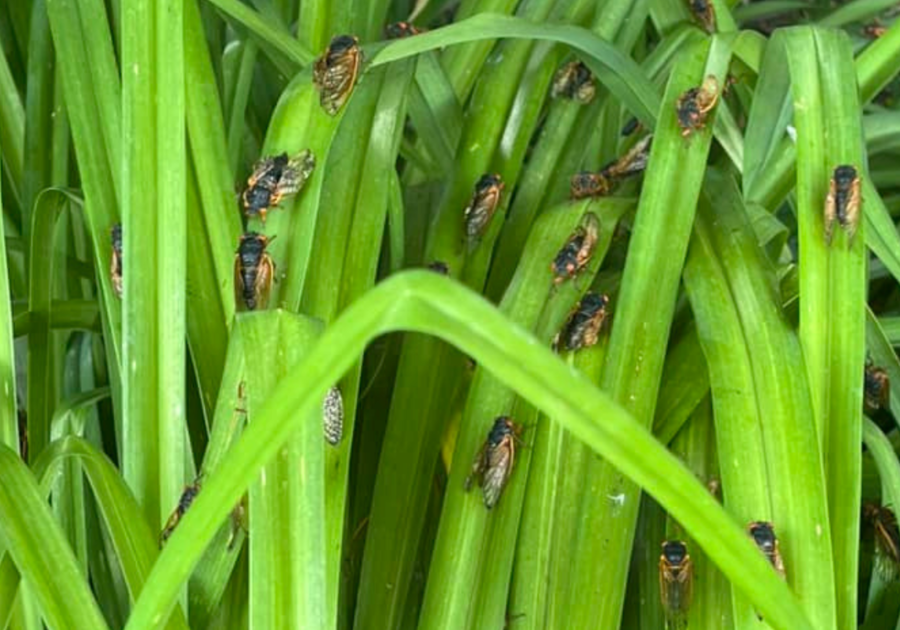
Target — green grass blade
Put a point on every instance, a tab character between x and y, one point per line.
618	72
425	302
640	332
40	553
12	131
793	459
832	285
287	504
270	34
9	427
39	105
155	246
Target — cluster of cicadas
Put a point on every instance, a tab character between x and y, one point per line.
272	180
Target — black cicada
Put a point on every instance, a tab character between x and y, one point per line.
336	71
587	184
695	104
877	389
843	202
494	461
578	249
705	13
763	534
676	582
115	266
574	82
582	329
274	178
254	271
184	502
483	204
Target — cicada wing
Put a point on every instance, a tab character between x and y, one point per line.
478	468
264	276
238	282
830	214
500	461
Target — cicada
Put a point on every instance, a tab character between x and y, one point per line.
483	204
399	30
631	126
494	461
876	389
254	271
695	104
588	184
439	266
336	71
575	82
333	415
705	13
274	178
887	539
763	534
843	202
115	265
577	251
676	581
582	329
184	502
874	30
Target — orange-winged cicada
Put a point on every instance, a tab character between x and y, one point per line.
336	71
482	205
494	461
763	534
676	582
887	539
574	82
705	13
843	202
577	251
399	30
876	388
274	178
115	265
582	329
694	105
187	497
333	415
254	271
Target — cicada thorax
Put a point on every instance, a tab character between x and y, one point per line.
578	249
876	389
333	416
494	461
705	13
694	105
336	71
254	271
676	581
887	539
842	205
763	534
582	328
574	82
587	184
482	206
115	265
187	497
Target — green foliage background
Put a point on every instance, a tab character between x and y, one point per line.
726	386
